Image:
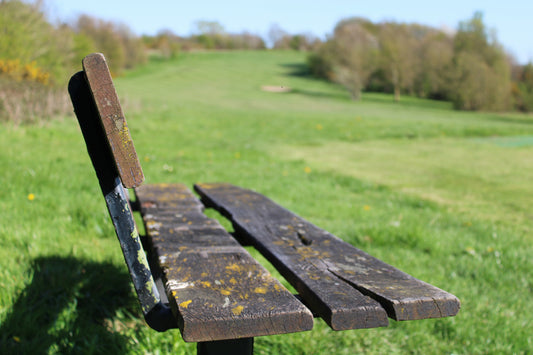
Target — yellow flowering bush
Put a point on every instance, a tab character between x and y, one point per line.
14	69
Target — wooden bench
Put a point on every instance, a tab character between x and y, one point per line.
198	277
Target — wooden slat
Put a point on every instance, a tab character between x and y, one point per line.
115	198
322	267
216	289
113	120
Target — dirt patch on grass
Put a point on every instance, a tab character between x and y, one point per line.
275	88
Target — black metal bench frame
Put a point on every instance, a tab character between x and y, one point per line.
199	279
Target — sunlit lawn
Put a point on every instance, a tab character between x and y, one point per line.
440	194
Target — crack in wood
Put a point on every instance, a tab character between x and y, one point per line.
382	301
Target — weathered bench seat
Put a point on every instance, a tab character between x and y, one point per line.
214	286
199	278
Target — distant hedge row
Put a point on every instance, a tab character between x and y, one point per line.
30	39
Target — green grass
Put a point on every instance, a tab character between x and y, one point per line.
440	194
479	181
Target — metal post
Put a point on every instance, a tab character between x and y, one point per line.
244	346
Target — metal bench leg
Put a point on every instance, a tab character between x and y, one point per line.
243	346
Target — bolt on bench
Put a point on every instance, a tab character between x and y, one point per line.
197	277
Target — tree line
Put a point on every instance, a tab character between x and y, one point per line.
468	67
27	36
37	57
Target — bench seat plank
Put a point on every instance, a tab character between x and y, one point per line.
215	288
311	258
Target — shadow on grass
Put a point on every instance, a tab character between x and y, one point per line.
69	307
406	101
301	70
320	94
298	69
504	118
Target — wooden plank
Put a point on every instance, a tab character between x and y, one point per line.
156	315
312	259
113	120
216	289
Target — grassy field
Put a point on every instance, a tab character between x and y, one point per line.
440	194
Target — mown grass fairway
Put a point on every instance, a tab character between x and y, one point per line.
440	194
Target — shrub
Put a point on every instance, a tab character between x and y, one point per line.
37	58
18	72
122	49
29	38
165	44
481	73
321	63
349	58
522	89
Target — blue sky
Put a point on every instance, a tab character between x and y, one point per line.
512	19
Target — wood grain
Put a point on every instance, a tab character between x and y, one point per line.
327	271
216	289
113	120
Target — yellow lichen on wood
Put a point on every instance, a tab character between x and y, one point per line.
206	283
261	290
233	267
185	304
237	310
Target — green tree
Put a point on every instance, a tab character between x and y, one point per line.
522	88
356	51
433	78
165	43
399	56
321	61
116	41
481	72
211	34
105	39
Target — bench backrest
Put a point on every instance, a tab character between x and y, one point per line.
115	161
113	121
